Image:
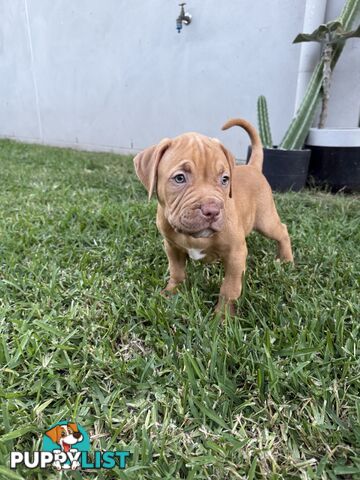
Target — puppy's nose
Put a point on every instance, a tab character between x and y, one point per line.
77	434
210	210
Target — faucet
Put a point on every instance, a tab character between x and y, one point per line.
182	18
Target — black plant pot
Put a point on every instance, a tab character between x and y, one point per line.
337	168
335	158
285	169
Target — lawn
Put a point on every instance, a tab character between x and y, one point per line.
272	393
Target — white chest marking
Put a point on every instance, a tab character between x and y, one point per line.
195	253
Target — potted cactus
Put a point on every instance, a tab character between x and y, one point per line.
286	166
335	152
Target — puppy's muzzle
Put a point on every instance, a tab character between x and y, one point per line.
211	211
202	220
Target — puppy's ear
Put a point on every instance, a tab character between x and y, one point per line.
231	162
147	162
73	427
54	434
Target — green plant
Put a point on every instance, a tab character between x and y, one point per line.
263	121
295	135
330	35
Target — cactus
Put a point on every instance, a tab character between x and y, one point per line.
263	121
295	136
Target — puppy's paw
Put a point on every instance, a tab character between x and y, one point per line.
285	258
168	293
225	306
171	288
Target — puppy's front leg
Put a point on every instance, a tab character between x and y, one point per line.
177	262
234	265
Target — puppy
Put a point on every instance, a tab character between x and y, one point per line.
207	205
66	436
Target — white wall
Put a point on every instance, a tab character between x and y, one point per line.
116	74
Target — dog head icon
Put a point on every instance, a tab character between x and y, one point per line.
65	435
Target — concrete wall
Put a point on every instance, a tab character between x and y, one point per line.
115	75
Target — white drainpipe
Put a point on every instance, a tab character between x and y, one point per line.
310	51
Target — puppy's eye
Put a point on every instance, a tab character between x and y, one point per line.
180	178
225	180
63	434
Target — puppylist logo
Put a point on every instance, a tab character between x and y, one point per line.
66	445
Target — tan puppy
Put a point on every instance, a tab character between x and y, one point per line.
207	205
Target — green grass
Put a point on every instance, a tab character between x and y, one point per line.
272	393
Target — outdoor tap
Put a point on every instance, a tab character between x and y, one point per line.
182	18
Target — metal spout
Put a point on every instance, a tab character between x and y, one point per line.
182	18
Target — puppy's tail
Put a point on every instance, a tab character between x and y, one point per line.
257	153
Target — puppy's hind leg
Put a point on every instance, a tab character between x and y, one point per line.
269	224
177	262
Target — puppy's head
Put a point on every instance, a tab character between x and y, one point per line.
65	435
192	176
